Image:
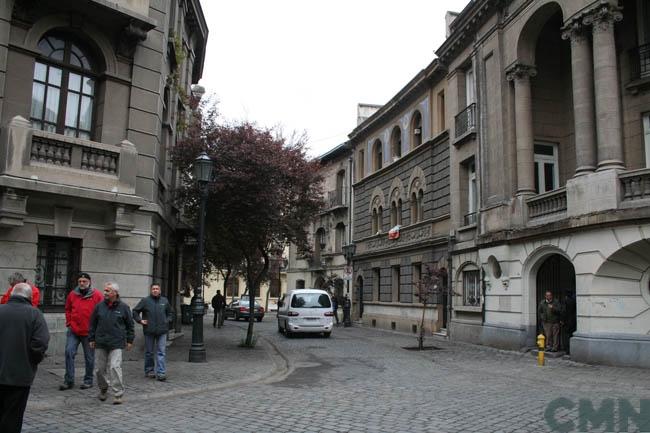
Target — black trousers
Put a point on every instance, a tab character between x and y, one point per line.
13	400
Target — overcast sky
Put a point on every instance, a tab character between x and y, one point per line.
304	65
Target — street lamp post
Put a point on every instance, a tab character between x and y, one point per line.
203	175
349	251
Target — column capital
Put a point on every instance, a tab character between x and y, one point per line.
520	71
603	17
575	30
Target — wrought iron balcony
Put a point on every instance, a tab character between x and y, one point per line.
336	198
470	219
466	120
640	62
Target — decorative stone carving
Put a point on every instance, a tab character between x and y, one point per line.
520	71
129	38
12	208
575	31
603	17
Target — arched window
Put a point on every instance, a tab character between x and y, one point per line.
393	214
63	88
319	242
377	155
380	216
399	211
416	130
396	143
420	205
339	237
414	208
375	222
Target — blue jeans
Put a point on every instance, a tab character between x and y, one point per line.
71	346
160	343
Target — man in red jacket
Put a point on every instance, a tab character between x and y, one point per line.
16	278
78	307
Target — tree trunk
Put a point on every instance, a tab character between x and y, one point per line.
421	337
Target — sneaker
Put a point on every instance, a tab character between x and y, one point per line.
151	375
103	395
65	386
85	385
161	377
117	400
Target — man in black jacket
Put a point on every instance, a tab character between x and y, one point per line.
23	341
111	330
156	317
218	304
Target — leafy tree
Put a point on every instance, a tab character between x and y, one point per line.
265	192
431	287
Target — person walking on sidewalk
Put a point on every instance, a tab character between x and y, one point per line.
154	313
16	278
335	307
79	305
111	330
549	312
219	305
24	338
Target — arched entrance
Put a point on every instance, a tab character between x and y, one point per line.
557	275
319	283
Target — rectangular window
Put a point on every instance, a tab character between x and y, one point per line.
646	138
395	279
376	286
361	165
472	288
547	176
441	111
416	278
472	196
470	92
57	266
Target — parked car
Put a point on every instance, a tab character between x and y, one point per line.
305	311
239	309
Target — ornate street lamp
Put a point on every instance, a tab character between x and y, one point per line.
348	252
203	175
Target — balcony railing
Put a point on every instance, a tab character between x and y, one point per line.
549	203
640	62
50	151
470	219
636	184
466	120
336	198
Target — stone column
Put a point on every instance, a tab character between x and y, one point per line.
583	97
521	75
6	8
608	95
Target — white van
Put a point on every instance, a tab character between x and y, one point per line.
305	310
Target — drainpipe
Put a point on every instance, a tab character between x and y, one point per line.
450	299
483	294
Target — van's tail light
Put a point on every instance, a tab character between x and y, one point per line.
329	313
261	309
292	313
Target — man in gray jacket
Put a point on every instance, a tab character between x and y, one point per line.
23	341
111	330
154	313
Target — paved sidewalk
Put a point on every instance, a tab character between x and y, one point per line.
227	365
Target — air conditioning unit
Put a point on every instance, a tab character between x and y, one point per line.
417	131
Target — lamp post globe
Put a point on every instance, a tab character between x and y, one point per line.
203	174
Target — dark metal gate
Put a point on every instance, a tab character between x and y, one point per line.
557	275
57	265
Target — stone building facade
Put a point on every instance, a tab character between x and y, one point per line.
93	95
330	230
550	173
401	204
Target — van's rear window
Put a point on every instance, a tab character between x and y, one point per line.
310	300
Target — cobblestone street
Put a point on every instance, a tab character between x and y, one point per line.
359	380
